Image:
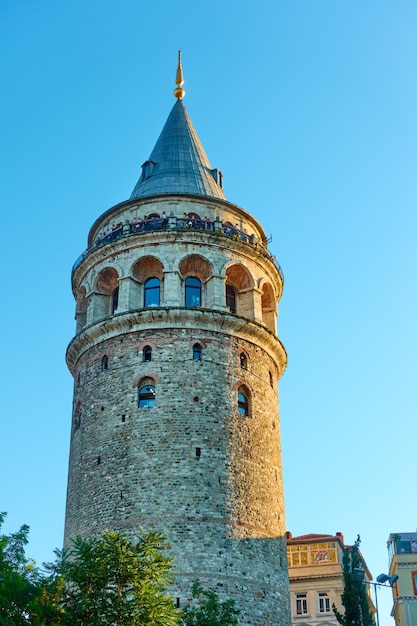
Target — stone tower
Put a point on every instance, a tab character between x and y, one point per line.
176	362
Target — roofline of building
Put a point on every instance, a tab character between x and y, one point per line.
315	538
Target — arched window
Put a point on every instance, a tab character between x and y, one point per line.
115	300
152	292
146	396
271	380
197	351
243	361
231	298
242	401
105	363
241	281
192	291
147	354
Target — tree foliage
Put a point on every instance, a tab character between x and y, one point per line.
208	610
100	581
21	581
110	580
355	597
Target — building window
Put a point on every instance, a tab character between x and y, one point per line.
313	554
105	363
115	300
414	579
231	298
152	292
192	291
324	602
301	603
243	361
147	354
147	168
220	178
146	396
197	351
242	401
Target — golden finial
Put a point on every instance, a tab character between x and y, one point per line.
179	92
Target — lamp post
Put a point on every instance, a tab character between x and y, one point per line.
358	574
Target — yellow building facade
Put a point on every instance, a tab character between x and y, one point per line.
315	567
402	551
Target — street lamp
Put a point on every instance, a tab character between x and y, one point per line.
358	574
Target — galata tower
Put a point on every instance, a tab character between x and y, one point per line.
176	362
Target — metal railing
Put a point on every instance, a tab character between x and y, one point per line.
216	228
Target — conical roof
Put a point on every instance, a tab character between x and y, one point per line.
178	162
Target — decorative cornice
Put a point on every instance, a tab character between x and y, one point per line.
176	317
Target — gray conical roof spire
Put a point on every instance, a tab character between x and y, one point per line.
178	162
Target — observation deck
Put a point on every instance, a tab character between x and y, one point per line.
214	228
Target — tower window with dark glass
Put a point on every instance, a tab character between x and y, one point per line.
146	396
231	298
152	292
243	402
192	291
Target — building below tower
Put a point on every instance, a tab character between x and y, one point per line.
315	566
402	554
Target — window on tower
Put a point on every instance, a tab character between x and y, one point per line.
147	169
243	361
243	401
147	354
152	292
105	363
146	396
115	300
192	291
197	352
231	298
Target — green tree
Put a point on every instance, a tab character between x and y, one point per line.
21	581
355	597
110	580
207	610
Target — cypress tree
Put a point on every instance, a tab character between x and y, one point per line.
355	597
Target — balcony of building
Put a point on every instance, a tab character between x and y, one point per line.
401	545
214	228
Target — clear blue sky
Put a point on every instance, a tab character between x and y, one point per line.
309	109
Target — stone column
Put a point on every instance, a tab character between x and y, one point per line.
172	289
215	293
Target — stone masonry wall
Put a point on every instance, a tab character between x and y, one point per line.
134	468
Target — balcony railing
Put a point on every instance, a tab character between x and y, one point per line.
406	545
216	228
